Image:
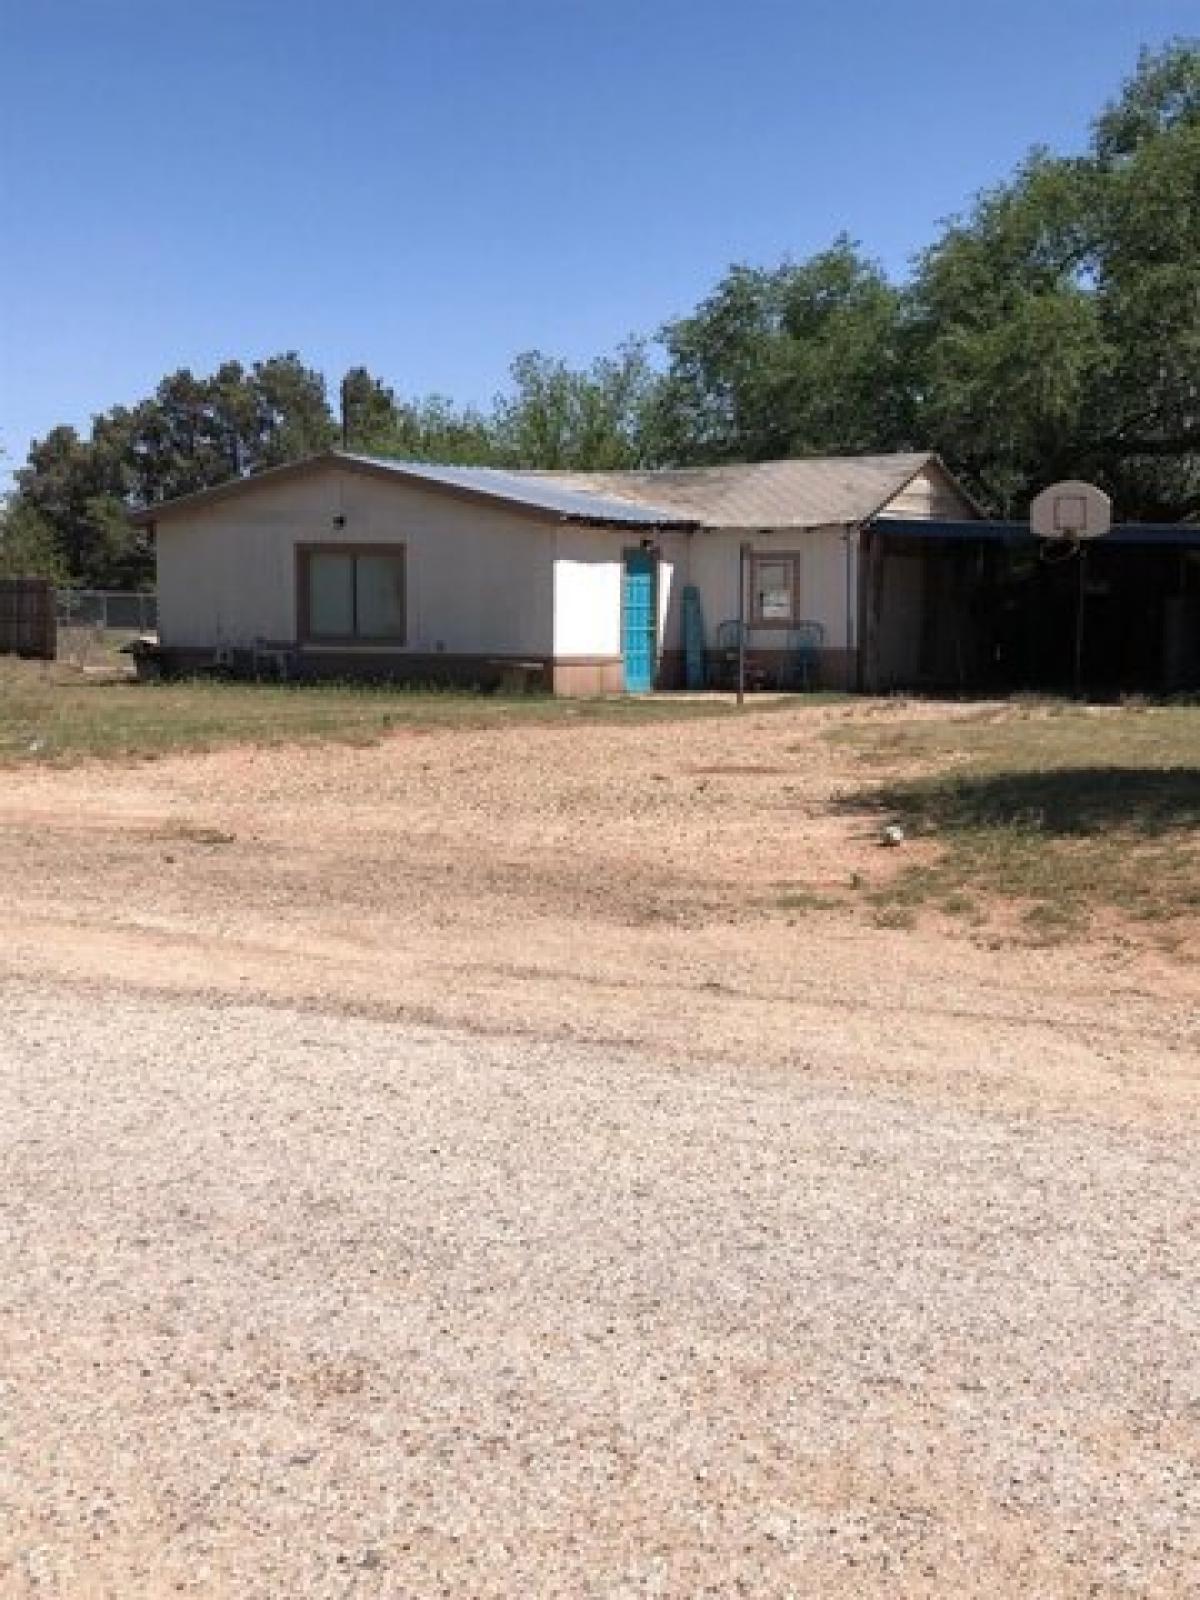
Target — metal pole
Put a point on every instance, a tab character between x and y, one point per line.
743	554
852	680
1079	610
345	418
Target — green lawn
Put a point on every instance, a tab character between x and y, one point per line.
1063	811
50	713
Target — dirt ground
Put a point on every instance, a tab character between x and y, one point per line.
463	1165
614	884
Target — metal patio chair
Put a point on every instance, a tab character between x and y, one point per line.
801	663
723	658
272	660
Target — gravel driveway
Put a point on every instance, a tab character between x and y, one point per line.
294	1304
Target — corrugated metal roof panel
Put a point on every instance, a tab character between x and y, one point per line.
533	489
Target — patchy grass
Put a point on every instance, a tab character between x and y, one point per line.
192	833
1066	813
51	713
799	898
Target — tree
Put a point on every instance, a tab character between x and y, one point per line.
1147	269
64	477
193	432
119	556
435	429
292	412
432	428
591	419
795	360
1162	96
369	409
1006	332
27	545
1056	329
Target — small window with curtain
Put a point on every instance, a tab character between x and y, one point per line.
772	591
352	594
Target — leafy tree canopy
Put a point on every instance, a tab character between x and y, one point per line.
27	545
802	359
1057	327
594	418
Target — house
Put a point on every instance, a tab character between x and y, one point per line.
347	564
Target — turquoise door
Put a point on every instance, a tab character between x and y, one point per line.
639	623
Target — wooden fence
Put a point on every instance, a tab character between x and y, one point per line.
27	618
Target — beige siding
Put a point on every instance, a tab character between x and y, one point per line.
827	559
480	578
675	573
483	579
932	493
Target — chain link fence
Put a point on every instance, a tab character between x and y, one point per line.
111	610
93	624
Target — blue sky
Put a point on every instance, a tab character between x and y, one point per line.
429	186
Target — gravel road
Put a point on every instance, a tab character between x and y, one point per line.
299	1304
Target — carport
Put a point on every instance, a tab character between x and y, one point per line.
989	607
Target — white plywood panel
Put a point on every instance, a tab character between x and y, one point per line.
587	592
588	575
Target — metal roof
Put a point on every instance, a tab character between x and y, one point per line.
1121	533
532	489
528	490
819	492
765	494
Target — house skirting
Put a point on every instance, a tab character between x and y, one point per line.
576	675
438	669
835	668
564	675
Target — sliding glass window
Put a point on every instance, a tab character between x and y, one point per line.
352	594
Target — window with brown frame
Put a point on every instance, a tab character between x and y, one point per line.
353	594
773	581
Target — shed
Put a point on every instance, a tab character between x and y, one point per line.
977	606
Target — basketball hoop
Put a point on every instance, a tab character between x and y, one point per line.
1071	511
1065	516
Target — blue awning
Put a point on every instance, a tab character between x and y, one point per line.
1125	534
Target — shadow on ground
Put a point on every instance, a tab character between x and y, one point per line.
1064	802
